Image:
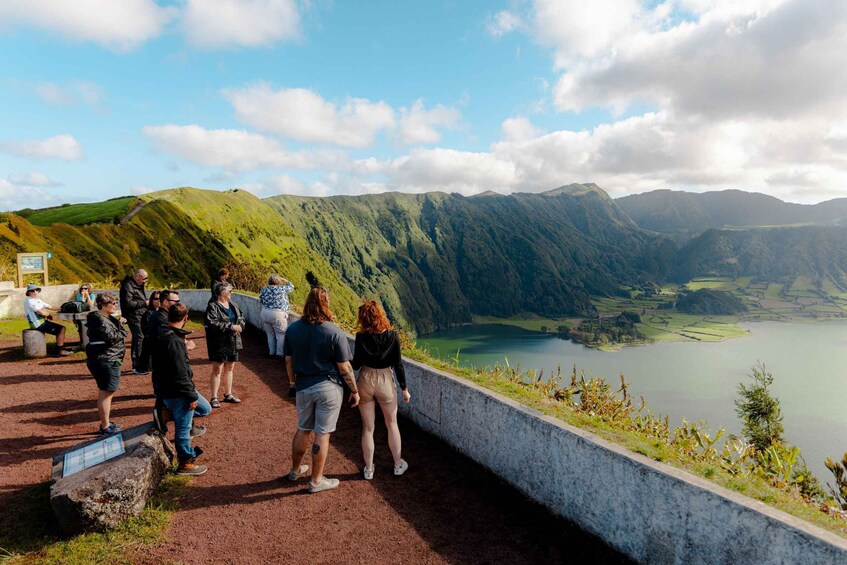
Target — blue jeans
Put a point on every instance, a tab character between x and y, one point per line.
183	415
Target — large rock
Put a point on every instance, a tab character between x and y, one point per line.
102	496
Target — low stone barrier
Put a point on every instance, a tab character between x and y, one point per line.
108	493
650	511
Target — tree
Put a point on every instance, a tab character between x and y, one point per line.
759	411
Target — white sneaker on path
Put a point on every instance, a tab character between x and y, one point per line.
323	484
401	468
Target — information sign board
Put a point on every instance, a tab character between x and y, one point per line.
32	263
93	454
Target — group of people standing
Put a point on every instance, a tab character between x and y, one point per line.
317	358
157	327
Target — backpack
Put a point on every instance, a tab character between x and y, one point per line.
72	307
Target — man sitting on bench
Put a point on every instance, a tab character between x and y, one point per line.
39	317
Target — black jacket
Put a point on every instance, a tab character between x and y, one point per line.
172	374
379	351
220	339
153	322
133	300
105	338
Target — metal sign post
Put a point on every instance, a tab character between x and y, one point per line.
32	263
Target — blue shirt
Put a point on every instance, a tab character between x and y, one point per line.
316	350
275	297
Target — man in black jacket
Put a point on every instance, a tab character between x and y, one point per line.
133	305
173	381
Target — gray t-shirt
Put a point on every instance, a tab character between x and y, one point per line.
315	350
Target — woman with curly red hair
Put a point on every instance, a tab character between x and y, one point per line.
377	352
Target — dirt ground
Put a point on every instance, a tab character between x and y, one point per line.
445	509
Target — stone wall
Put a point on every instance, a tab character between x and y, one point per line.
649	511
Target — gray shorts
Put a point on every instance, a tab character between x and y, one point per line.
318	407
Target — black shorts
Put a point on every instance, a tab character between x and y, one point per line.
225	357
52	328
106	375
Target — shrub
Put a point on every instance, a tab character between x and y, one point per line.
760	412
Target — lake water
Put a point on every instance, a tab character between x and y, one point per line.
698	381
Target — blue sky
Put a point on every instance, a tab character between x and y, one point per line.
318	97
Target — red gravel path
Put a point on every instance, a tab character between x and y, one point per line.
446	509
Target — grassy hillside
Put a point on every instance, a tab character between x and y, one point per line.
259	243
81	214
181	237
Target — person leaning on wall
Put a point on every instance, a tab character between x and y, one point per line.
275	311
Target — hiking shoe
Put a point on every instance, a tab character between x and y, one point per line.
232	399
65	352
137	372
369	473
295	475
111	429
323	484
215	403
191	468
161	417
401	468
197	430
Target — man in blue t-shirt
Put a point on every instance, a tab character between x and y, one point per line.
317	357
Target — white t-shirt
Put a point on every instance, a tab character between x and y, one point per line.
32	305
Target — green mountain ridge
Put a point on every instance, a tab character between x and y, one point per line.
434	259
678	212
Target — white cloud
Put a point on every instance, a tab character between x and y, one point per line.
64	147
446	170
656	150
419	125
503	23
119	26
280	184
519	129
236	150
304	115
584	28
244	23
33	179
765	58
747	94
87	93
15	196
139	189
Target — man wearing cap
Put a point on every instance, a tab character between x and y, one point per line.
38	315
133	305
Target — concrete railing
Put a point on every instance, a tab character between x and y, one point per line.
647	510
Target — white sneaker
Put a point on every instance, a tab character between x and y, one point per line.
323	484
369	473
401	468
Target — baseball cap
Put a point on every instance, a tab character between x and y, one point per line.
31	287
